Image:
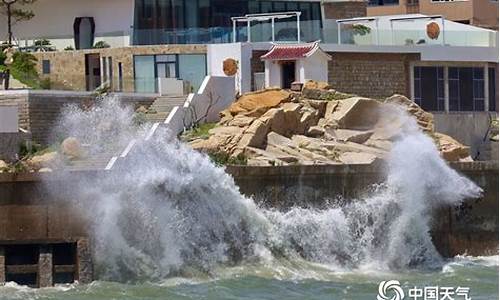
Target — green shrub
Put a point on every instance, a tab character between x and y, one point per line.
69	48
200	132
101	44
221	158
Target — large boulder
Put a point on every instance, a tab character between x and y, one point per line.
256	104
357	158
72	148
46	160
3	166
451	149
424	119
357	113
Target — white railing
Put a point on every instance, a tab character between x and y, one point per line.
215	94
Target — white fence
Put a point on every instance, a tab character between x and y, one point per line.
215	94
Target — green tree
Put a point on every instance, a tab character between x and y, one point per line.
15	12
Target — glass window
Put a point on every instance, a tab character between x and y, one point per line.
266	7
46	66
292	6
192	69
429	87
166	58
279	7
493	96
305	8
204	13
144	73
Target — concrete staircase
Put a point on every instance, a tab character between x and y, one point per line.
95	162
162	107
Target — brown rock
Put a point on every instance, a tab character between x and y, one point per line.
72	148
3	164
451	149
347	135
320	85
357	113
241	121
316	131
357	158
45	160
424	119
259	101
318	105
142	109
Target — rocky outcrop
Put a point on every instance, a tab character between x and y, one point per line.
46	160
72	148
274	127
452	150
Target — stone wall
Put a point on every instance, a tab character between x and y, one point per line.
20	99
374	75
344	9
471	228
67	68
40	110
30	212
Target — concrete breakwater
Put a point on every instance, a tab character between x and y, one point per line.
471	228
44	237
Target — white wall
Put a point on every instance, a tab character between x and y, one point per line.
273	74
315	68
242	52
9	119
55	18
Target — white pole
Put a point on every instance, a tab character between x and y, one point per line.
339	39
248	31
486	93
442	22
446	89
272	27
298	27
234	31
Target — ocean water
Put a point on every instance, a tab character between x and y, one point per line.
280	280
168	224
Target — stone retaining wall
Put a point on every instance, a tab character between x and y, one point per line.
40	110
471	228
29	215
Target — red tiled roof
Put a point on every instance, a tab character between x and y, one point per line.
290	52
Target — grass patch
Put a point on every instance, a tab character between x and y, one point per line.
200	132
223	159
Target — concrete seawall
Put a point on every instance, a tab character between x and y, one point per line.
471	228
38	229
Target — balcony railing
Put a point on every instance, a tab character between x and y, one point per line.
345	32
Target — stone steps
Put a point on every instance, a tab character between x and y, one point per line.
92	163
162	106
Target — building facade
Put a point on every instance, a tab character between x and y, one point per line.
121	23
483	13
